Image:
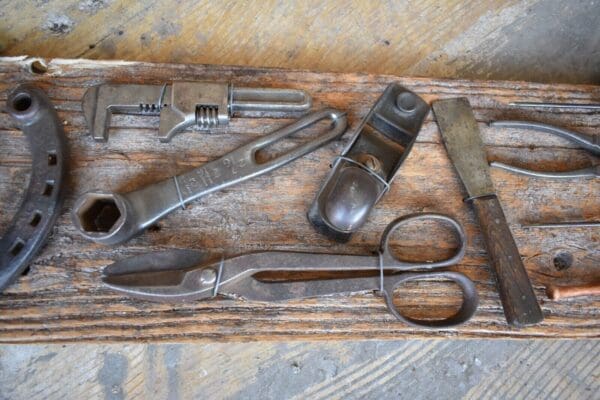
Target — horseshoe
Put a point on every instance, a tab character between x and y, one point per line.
32	224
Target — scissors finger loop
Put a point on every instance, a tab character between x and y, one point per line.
470	299
392	262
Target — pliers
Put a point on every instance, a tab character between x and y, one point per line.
591	143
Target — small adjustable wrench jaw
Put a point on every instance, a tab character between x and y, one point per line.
100	102
184	104
203	104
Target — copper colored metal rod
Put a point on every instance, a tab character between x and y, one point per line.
564	292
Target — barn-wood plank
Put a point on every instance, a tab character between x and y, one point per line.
62	298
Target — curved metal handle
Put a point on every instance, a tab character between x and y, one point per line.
392	262
587	142
590	172
339	123
590	143
470	299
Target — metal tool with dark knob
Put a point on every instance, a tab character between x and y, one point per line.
363	172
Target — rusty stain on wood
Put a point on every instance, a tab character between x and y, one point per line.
62	299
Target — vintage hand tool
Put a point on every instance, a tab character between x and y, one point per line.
590	143
112	218
535	104
460	134
560	225
39	209
187	275
555	292
184	104
363	173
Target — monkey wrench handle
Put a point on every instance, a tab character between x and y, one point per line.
111	218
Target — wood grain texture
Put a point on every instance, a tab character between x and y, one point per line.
534	40
61	299
357	36
514	287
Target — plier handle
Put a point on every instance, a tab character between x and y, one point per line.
591	143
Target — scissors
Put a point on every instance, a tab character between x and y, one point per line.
186	275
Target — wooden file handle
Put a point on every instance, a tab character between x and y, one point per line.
563	292
518	299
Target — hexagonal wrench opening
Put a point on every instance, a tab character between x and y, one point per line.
99	214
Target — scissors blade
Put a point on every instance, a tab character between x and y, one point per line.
160	276
184	275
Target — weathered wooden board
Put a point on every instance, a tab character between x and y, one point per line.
62	299
474	39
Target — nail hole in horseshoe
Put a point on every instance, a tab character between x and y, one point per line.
38	67
48	188
35	220
52	160
17	247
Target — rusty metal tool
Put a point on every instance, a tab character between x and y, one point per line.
362	174
112	218
460	135
561	225
188	275
32	224
556	292
590	143
184	104
535	104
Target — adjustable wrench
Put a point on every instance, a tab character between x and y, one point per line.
184	104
